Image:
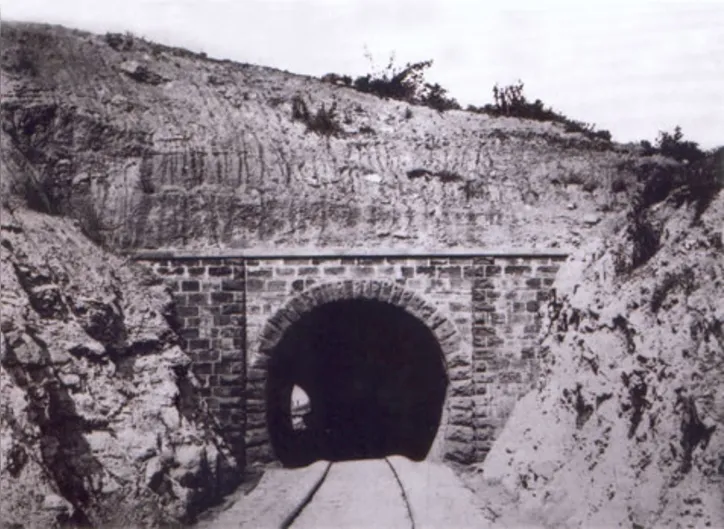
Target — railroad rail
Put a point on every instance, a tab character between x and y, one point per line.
392	492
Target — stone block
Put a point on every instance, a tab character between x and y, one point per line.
230	368
462	388
259	454
518	270
407	272
276	286
192	322
450	271
533	282
458	373
190	286
386	289
261	273
222	297
255	421
363	271
528	352
187	311
547	271
230	380
256	437
202	368
219	271
308	271
425	271
232	285
483	378
196	345
510	377
189	333
255	391
462	434
254	285
256	409
483	306
459	452
197	271
493	271
232	308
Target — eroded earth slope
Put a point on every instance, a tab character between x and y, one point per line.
627	426
98	420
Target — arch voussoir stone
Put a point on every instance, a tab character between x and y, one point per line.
396	295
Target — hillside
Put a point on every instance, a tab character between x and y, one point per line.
162	148
626	427
99	422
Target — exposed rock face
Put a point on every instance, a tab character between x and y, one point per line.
98	420
170	149
627	429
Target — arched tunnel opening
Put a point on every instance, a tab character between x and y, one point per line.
373	381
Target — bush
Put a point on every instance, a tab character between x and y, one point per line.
674	146
323	122
435	96
120	41
341	80
511	101
648	149
405	84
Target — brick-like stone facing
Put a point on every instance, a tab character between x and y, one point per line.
484	311
210	303
506	297
436	290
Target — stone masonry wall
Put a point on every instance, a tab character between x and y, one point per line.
441	285
506	297
224	306
209	298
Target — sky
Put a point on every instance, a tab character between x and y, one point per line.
633	67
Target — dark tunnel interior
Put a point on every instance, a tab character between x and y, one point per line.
375	378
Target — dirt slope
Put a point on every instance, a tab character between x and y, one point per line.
171	149
627	427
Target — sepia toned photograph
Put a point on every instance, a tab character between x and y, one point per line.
354	264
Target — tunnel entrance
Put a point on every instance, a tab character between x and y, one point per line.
375	380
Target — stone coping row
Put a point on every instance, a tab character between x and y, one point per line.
154	255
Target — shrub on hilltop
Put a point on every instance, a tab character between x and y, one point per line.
511	101
674	146
403	83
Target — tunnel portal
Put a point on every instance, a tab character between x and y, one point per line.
375	378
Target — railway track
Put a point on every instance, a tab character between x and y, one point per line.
388	493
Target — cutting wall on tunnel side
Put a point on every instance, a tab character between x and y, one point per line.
483	309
